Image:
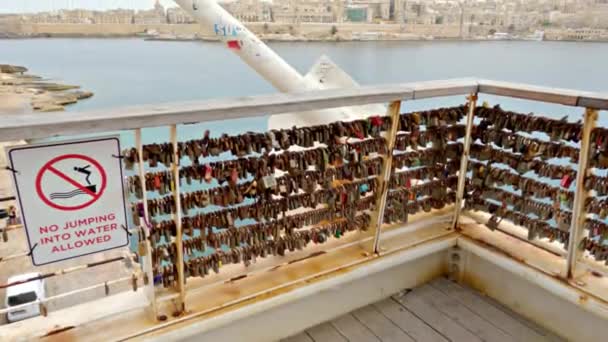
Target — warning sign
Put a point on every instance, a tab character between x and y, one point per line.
71	196
86	194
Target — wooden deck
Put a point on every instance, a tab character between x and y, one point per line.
439	311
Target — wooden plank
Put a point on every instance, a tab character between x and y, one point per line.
301	337
435	318
353	330
463	316
498	318
408	322
530	92
526	322
381	326
325	333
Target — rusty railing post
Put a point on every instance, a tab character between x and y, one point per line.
385	174
578	211
181	282
464	162
147	258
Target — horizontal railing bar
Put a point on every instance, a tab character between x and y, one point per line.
430	89
13	256
35	126
47	300
529	92
66	271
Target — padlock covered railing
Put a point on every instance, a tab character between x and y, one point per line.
222	207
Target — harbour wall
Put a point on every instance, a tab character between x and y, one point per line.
304	29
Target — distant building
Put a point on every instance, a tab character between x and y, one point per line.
118	16
377	9
592	34
151	17
176	15
249	10
567	19
306	11
357	14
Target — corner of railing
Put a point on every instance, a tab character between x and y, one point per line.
451	87
593	100
561	96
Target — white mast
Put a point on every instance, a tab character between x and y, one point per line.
245	44
266	62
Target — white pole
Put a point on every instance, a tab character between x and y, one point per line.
245	44
269	65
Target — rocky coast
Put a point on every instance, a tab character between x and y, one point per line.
21	91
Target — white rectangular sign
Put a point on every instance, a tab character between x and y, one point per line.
71	196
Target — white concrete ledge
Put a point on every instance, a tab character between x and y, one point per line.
306	306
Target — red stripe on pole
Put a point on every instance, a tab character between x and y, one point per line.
234	44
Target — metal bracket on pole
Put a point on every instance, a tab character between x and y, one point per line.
385	175
147	258
464	162
181	282
456	263
578	211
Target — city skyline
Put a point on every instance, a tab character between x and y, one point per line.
32	6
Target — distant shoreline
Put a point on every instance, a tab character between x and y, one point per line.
290	39
289	32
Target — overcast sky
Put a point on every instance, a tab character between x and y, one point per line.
20	6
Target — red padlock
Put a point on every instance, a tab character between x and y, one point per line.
376	121
208	174
566	181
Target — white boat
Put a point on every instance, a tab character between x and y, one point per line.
501	36
536	36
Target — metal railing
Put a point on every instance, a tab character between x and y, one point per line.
26	127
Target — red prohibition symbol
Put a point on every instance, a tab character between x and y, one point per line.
50	168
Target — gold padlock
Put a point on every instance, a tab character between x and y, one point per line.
141	248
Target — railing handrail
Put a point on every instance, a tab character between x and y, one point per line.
35	126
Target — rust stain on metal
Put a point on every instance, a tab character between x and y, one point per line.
583	297
498	250
275	268
596	274
232	280
312	255
474	282
58	331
